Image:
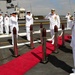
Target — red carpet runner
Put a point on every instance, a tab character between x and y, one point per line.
20	65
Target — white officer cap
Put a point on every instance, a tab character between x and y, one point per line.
28	11
14	12
52	9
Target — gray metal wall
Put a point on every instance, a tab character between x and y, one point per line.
3	6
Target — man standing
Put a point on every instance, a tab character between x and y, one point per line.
14	23
54	20
68	20
29	21
6	23
1	24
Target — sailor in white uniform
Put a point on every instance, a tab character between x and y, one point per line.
14	23
1	23
6	23
29	21
68	19
54	20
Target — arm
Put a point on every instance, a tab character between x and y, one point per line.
47	17
58	21
13	19
1	19
66	16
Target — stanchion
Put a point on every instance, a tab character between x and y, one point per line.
41	27
56	39
31	37
63	41
44	57
15	43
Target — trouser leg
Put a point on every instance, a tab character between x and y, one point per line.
74	57
52	36
1	29
52	33
28	33
7	29
73	60
67	24
13	36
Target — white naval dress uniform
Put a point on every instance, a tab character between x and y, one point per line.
68	20
54	20
1	24
14	23
6	23
29	21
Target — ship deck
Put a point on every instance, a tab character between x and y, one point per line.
58	64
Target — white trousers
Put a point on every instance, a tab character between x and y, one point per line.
28	32
52	32
7	29
74	56
52	35
68	24
13	36
1	28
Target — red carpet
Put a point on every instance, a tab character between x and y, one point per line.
20	65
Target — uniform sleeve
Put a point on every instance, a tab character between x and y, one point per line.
58	21
66	16
47	17
1	19
13	19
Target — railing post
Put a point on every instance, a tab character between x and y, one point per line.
41	27
31	37
63	41
15	42
44	57
56	39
